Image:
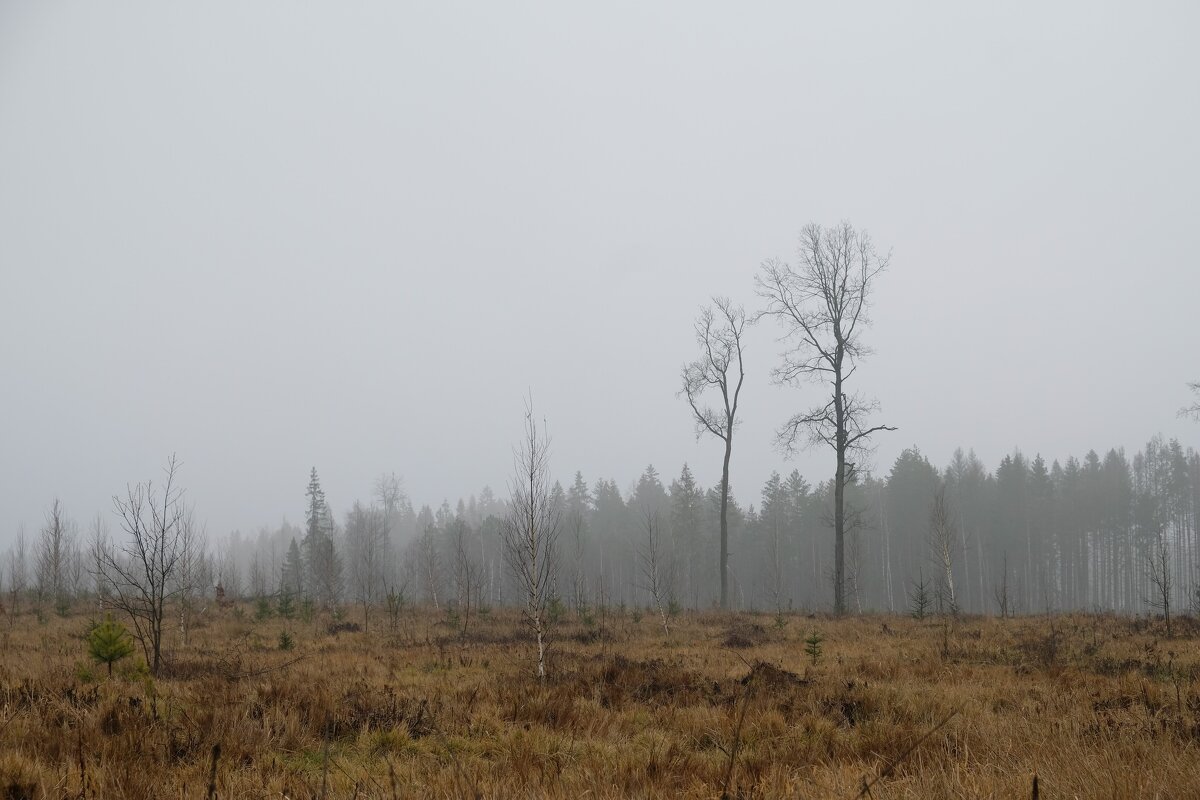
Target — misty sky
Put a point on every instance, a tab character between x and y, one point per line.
268	236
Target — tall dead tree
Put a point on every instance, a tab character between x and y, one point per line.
140	575
821	304
719	334
530	531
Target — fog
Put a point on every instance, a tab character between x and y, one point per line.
358	236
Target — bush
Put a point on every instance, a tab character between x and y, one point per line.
285	641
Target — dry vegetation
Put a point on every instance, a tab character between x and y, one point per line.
1096	706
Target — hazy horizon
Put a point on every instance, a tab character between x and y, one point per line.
273	237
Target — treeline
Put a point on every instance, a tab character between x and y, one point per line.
1108	532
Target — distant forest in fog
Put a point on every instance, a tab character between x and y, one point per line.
1086	533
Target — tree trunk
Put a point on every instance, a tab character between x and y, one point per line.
725	521
839	534
839	493
541	646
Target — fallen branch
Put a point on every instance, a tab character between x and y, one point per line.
866	787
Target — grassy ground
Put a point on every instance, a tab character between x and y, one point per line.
1095	706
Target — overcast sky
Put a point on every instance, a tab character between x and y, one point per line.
268	236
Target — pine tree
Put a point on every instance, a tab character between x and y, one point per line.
109	642
322	563
292	580
686	510
314	532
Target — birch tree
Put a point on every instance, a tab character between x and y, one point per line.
140	574
941	543
530	531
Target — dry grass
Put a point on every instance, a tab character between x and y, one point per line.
1096	706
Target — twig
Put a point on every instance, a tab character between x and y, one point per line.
866	789
235	676
459	772
212	772
737	738
325	762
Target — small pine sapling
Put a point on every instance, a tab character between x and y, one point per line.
109	642
920	598
812	646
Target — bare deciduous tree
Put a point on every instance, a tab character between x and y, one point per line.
822	306
1000	592
775	576
578	573
52	569
656	579
140	574
1158	563
257	577
97	536
191	576
367	545
428	563
941	545
530	531
18	573
719	333
468	582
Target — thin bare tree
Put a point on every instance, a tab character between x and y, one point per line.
468	583
52	566
720	367
775	576
822	306
578	572
428	563
656	579
191	577
530	531
97	535
367	545
1000	591
1158	564
140	575
18	573
941	545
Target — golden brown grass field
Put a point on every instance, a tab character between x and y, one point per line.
1096	706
